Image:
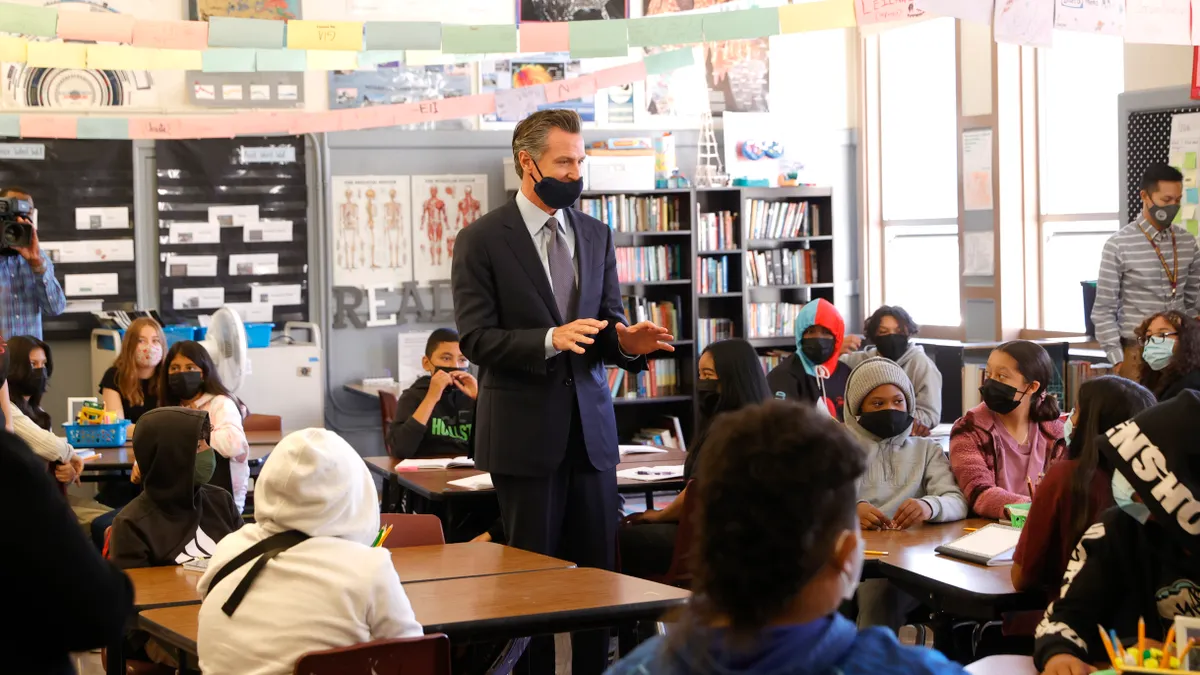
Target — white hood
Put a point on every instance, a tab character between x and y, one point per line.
316	483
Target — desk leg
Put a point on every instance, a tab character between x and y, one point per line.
391	495
649	499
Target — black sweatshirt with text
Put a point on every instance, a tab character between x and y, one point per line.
448	433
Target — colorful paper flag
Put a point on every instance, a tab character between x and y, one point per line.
177	59
103	127
812	16
92	26
744	24
56	55
597	39
226	31
27	20
403	35
479	39
336	35
326	60
570	89
118	57
656	31
48	126
665	62
228	60
170	34
280	60
545	37
12	49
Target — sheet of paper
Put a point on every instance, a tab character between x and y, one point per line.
27	20
228	60
253	312
91	26
870	12
170	34
410	347
197	298
620	75
652	473
253	264
665	62
544	37
570	89
48	126
178	59
1024	22
191	265
458	39
596	39
233	216
115	128
639	450
989	541
10	127
13	49
326	60
340	35
514	105
811	16
1101	17
277	294
745	24
57	55
979	254
1159	22
280	60
977	170
102	218
76	285
268	230
403	34
84	306
194	233
227	31
93	250
482	481
667	29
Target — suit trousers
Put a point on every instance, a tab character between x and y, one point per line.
570	514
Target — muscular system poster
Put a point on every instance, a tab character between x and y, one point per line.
441	207
372	232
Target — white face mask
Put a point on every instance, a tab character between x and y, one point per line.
1123	495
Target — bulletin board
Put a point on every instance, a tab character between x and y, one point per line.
64	177
1149	139
229	199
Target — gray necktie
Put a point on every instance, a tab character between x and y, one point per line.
562	271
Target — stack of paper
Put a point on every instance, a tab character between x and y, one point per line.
436	463
481	482
652	473
640	450
991	545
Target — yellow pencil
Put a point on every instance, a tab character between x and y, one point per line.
1141	640
1029	483
1167	643
1183	655
875	552
1108	647
970	529
385	535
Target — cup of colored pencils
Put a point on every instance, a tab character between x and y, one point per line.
382	536
1141	659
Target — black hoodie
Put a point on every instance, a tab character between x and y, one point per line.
448	433
174	520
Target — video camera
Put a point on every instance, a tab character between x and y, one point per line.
14	233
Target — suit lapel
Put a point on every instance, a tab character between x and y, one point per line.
518	239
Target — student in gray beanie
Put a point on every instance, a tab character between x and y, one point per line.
908	479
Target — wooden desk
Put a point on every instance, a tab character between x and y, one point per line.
550	601
121	459
155	587
1004	664
371	392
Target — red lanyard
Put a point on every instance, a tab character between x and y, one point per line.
1173	271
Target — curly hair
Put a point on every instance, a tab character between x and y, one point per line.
902	317
1187	352
744	571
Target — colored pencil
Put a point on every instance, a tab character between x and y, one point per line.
875	552
375	542
1167	643
1117	645
1183	655
1029	482
1108	647
970	529
1141	655
385	534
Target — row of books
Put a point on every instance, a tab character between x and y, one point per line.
772	319
712	274
782	267
625	213
665	313
712	330
661	378
668	435
772	359
781	220
716	231
649	263
1079	372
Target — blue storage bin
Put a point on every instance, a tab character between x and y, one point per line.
178	332
96	435
258	335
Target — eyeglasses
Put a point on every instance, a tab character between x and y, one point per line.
1155	339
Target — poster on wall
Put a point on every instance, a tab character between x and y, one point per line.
531	70
441	207
245	90
397	83
279	10
571	10
82	89
372	241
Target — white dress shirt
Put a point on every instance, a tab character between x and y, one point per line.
535	221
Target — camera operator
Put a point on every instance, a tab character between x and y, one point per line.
28	287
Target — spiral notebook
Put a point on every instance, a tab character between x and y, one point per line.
991	545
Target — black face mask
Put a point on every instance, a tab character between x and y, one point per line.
999	397
35	383
818	350
448	369
709	396
555	193
185	385
891	346
885	423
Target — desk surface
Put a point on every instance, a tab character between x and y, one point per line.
531	603
1004	664
910	557
155	587
261	445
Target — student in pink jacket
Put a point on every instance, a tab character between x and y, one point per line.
1007	442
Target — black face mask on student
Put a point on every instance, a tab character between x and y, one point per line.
448	369
891	346
555	193
185	385
998	397
35	383
817	349
885	423
710	397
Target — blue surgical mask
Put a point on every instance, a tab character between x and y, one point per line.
1123	496
1157	354
1068	427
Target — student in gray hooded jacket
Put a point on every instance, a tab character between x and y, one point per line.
908	479
889	330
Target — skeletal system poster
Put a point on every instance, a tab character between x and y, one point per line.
441	207
372	240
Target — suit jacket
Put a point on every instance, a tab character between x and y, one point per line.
503	306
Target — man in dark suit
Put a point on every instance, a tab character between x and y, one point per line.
538	309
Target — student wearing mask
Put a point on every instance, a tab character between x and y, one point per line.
1170	354
731	378
765	598
1077	489
907	481
889	329
317	514
30	365
130	387
813	374
190	379
1009	441
1139	560
435	414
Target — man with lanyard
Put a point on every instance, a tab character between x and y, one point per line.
1148	266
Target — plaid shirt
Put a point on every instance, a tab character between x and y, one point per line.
24	296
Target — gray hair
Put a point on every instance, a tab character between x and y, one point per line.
531	133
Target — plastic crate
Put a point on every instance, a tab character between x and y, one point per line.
96	435
178	332
258	335
1017	513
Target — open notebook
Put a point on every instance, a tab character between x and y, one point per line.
991	545
649	474
436	463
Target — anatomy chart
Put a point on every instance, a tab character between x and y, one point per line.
372	234
441	207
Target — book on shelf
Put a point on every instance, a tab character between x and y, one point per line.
772	319
661	378
668	435
665	313
712	274
712	330
781	219
1079	372
772	359
782	267
632	214
716	231
649	263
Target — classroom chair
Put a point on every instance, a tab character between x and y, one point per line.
387	413
256	422
412	529
427	655
680	573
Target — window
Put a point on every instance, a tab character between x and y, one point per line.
918	123
1079	80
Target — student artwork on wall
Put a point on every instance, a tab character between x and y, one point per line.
571	10
279	10
371	230
441	207
397	83
530	71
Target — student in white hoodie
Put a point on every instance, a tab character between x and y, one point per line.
325	587
908	479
